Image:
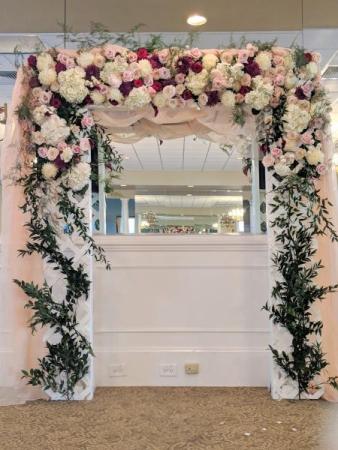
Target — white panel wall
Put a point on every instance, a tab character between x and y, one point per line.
177	299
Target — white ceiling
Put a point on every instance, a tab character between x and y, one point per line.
187	201
183	154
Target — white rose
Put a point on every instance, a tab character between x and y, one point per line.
137	98
67	154
169	91
145	67
49	170
85	59
44	61
78	176
263	59
115	95
282	169
54	130
203	99
228	99
47	77
52	153
209	61
97	97
314	156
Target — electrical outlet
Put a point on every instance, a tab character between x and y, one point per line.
168	370
192	368
117	370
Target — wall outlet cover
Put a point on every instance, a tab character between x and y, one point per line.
168	370
192	368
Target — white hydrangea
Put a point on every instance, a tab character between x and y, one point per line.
115	94
228	99
54	130
260	96
119	65
85	59
263	59
47	77
137	98
296	118
236	71
197	82
209	61
49	170
145	67
97	97
44	61
159	100
72	85
78	176
314	156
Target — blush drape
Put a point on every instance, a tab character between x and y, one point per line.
20	347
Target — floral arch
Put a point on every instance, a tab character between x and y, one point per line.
62	101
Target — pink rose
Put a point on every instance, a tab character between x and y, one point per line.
61	146
279	79
45	97
319	135
321	169
268	160
151	91
164	73
276	152
110	50
195	53
127	76
103	89
62	58
278	60
307	88
179	78
163	55
148	80
114	80
228	55
70	64
85	145
306	138
246	80
218	83
243	56
239	98
280	51
42	152
76	149
87	121
132	57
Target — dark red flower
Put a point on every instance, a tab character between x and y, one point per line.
60	164
155	62
59	67
157	86
34	82
300	94
32	61
88	100
252	68
308	56
197	67
126	87
264	148
92	71
213	98
183	64
187	95
142	53
169	82
244	90
138	83
55	101
113	102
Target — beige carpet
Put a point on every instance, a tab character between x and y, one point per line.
171	419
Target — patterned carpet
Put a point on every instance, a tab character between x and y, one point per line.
171	419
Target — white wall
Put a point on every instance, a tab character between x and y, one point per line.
178	299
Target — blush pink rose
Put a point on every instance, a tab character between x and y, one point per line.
218	83
319	135
195	53
246	80
321	169
127	76
306	138
132	57
148	80
87	121
179	78
268	160
111	50
76	149
164	73
114	80
276	152
42	152
163	55
279	79
243	56
85	144
307	88
280	51
61	146
252	49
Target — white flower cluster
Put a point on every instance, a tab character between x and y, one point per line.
72	85
296	118
78	176
54	130
261	95
137	98
197	82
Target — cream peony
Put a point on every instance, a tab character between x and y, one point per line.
49	170
78	176
296	118
54	130
263	59
228	99
314	156
197	82
85	59
209	61
47	77
44	62
72	85
137	98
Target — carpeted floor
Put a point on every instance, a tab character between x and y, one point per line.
171	419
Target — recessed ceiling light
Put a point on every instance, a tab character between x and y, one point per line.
190	186
123	185
196	20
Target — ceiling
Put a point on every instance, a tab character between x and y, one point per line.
183	154
46	15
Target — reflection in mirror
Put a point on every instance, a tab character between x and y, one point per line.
184	186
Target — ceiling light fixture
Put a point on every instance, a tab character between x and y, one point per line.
190	186
123	185
196	20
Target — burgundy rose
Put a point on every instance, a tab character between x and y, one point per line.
197	67
32	61
138	83
155	62
308	57
213	98
59	67
300	94
142	53
60	164
113	102
55	101
187	95
34	82
244	90
157	86
183	64
252	68
88	100
92	71
126	87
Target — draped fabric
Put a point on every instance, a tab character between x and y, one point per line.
214	124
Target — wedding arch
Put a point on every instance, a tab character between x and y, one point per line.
68	106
